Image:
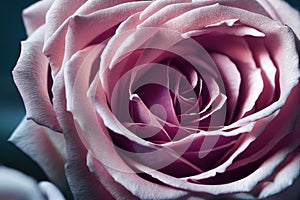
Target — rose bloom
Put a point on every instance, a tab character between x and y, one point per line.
163	99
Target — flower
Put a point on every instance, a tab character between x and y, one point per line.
162	99
16	185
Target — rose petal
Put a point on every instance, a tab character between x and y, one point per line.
232	81
283	128
77	37
161	13
225	30
75	169
291	192
96	94
282	11
264	61
30	76
86	57
117	190
243	185
55	40
50	191
34	16
122	44
16	185
158	5
289	171
40	143
89	186
132	182
55	17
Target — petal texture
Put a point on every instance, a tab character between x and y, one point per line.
39	143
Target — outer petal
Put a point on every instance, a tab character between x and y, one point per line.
58	23
288	172
30	75
76	169
292	193
50	191
44	146
59	12
282	11
34	16
77	38
15	185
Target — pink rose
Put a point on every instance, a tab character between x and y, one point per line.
163	99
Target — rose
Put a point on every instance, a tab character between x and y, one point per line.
164	99
16	185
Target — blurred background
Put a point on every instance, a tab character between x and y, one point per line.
11	105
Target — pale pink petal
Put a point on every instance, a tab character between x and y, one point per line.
59	22
77	37
56	29
282	11
31	78
292	192
264	61
246	184
86	57
130	23
120	179
239	30
116	189
240	146
287	60
285	177
34	16
159	12
83	184
284	126
53	48
58	13
16	185
96	5
124	43
158	5
88	187
232	81
44	146
208	15
50	191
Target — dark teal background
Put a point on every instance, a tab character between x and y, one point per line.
11	105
